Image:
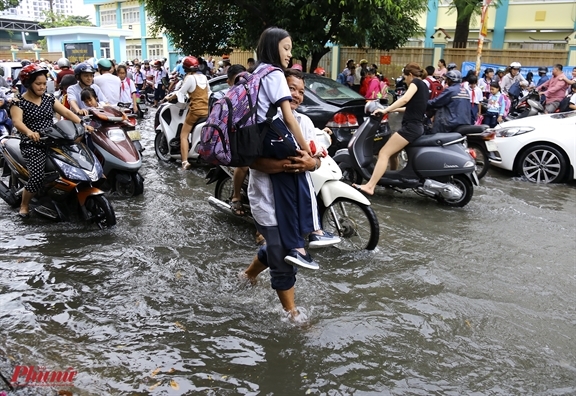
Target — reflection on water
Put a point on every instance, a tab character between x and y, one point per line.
478	300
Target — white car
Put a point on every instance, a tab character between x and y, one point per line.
540	148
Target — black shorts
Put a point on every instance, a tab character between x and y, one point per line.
411	131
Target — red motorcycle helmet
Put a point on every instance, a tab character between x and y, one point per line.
29	73
320	71
190	62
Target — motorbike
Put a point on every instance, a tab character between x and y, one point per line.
437	166
168	123
344	211
6	125
525	106
113	144
71	181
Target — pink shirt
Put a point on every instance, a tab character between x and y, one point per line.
555	89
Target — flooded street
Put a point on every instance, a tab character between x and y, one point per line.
477	301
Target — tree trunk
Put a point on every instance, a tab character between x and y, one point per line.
462	30
316	56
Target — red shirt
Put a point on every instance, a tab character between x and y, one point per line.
62	73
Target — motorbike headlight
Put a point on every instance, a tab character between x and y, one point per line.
513	131
116	135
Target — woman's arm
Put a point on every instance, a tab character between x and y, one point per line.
412	89
64	112
16	114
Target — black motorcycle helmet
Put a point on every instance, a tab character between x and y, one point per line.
451	66
542	70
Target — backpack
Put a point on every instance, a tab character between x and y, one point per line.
507	103
231	135
564	104
435	87
515	89
341	78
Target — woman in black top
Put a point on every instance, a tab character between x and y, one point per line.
33	112
415	101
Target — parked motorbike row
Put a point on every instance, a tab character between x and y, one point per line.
79	167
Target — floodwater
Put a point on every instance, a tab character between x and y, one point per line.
472	301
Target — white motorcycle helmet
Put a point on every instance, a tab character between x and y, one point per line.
515	65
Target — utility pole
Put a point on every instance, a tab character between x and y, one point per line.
482	35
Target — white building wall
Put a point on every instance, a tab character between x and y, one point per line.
32	9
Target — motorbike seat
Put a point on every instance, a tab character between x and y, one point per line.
13	147
470	129
437	139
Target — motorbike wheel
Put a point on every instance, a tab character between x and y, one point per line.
463	183
15	185
542	164
355	223
390	97
100	211
225	188
135	185
162	148
482	162
349	174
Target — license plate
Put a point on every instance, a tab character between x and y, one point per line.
134	135
491	146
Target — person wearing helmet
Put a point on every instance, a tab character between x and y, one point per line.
413	103
108	82
320	71
85	76
452	105
512	77
543	74
451	66
32	112
197	89
65	69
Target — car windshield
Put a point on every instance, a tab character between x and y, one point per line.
328	89
219	84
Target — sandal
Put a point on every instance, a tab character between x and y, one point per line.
237	208
260	240
186	165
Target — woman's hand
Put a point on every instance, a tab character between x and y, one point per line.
383	111
82	112
34	136
304	162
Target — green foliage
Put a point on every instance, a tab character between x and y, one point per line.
465	9
53	20
208	26
5	4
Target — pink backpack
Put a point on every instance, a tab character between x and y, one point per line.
231	135
507	103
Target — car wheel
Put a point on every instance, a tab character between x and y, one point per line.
542	164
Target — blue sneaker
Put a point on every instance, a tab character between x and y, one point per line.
326	239
294	257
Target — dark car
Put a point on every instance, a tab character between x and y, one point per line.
327	103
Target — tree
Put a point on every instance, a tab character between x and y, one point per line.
5	4
465	9
215	27
53	20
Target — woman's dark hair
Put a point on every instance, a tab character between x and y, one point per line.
473	79
234	70
469	74
529	76
88	93
495	85
122	67
294	73
67	80
443	62
430	70
414	69
573	86
488	70
267	50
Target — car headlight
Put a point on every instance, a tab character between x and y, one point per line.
513	131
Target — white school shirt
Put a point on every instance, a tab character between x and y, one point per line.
127	88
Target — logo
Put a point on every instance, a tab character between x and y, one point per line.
40	376
450	166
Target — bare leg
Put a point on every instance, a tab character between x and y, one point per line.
184	147
26	197
394	145
254	269
287	300
239	176
394	163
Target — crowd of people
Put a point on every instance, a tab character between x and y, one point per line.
282	197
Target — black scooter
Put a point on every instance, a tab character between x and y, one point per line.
437	166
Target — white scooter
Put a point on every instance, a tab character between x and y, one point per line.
344	211
168	123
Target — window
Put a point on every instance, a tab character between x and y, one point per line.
538	46
131	15
133	51
108	17
155	51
